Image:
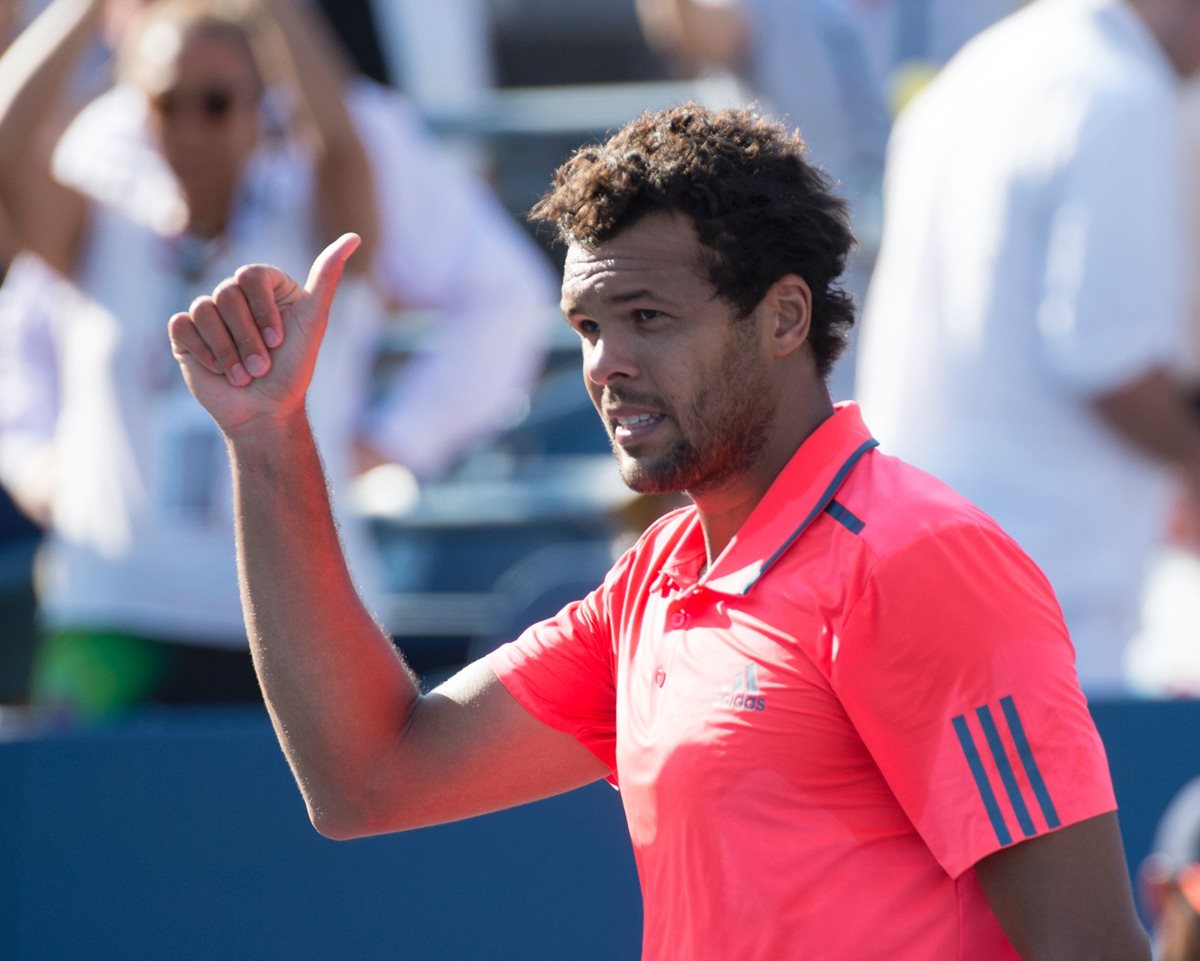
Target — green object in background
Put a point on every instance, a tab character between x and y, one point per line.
96	673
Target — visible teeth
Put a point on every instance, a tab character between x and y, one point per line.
638	420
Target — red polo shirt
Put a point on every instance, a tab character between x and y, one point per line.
870	690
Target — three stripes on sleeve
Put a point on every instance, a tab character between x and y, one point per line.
987	735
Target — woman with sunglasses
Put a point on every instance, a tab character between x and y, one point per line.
138	588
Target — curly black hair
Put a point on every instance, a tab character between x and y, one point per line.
759	207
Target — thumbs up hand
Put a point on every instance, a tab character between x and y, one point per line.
249	350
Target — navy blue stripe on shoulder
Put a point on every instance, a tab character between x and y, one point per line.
818	508
843	516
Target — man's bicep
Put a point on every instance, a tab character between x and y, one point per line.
1066	894
471	748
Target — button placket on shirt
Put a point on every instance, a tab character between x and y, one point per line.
677	620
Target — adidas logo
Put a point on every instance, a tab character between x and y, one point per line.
742	692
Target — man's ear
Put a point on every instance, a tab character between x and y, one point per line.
788	302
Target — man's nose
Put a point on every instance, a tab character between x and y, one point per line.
607	357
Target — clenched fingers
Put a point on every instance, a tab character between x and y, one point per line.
233	332
265	289
230	330
186	341
243	324
211	326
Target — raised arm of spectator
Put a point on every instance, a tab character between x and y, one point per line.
449	247
700	33
322	74
369	751
46	217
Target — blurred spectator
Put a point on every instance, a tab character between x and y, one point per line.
138	586
135	580
1164	658
836	69
447	248
1170	879
1027	309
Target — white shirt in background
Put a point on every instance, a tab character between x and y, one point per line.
1033	258
833	68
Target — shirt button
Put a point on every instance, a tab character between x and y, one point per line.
660	677
678	619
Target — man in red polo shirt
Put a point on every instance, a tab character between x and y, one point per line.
839	702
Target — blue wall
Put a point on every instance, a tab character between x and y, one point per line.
181	835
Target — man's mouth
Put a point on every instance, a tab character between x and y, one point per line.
630	428
637	420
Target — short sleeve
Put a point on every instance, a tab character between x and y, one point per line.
956	669
1118	214
563	671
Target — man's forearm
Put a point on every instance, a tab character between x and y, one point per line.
338	693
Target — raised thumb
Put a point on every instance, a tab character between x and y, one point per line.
326	271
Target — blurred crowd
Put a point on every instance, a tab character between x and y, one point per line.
1019	176
151	149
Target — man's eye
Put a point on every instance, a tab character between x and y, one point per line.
647	314
587	327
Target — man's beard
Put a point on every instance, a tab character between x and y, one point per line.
729	423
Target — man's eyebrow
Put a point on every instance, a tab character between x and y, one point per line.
642	293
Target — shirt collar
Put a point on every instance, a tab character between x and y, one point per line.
804	488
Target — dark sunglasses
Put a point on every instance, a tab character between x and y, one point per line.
214	104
